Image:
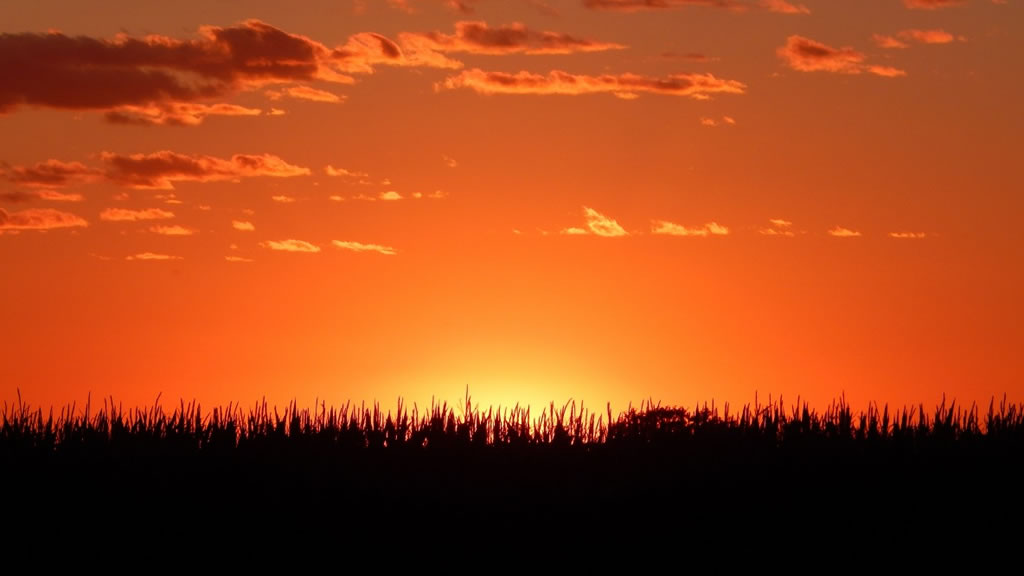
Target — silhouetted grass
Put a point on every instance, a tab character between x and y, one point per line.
362	469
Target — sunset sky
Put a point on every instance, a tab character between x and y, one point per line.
605	200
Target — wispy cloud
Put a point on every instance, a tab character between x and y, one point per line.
840	232
932	4
242	225
783	7
360	247
126	215
908	235
390	196
476	37
175	113
778	227
698	86
903	37
777	6
160	170
598	224
343	173
238	259
664	227
153	256
283	199
305	93
290	245
50	174
39	219
450	162
808	55
175	230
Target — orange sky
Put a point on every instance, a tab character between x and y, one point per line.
608	200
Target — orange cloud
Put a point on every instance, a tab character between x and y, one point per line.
172	230
160	170
478	38
931	4
641	5
175	113
153	72
125	215
153	256
907	235
602	225
698	86
664	227
933	36
840	232
290	246
343	173
39	219
242	225
779	227
305	93
783	7
777	6
54	196
283	199
390	195
238	259
360	247
50	174
807	55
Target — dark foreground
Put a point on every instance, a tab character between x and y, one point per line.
354	472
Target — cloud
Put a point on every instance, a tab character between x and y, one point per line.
39	219
779	227
664	227
464	6
242	225
153	256
450	162
390	195
575	231
343	173
125	215
777	6
160	170
807	55
19	196
698	86
290	246
932	36
238	259
305	93
121	74
476	37
50	174
283	199
601	225
783	7
359	247
641	5
907	235
54	196
172	230
932	4
361	52
175	113
840	232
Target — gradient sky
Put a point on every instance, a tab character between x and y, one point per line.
606	200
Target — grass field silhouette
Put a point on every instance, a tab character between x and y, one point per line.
367	468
